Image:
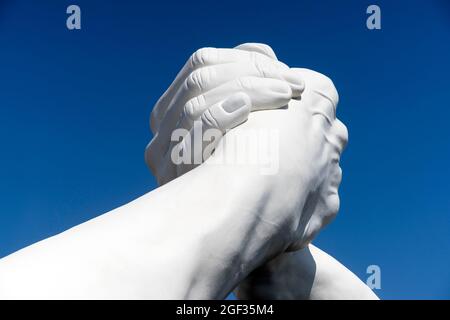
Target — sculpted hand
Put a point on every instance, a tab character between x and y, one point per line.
309	135
216	89
286	209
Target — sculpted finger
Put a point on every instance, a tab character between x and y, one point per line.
322	89
338	135
206	133
265	93
258	47
201	58
227	114
208	77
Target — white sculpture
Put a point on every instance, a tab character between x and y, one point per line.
327	278
205	232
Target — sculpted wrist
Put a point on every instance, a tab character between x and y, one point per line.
236	238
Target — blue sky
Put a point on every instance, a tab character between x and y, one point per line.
74	109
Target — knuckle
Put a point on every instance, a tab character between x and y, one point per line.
331	90
188	111
321	84
198	79
193	107
327	87
202	57
209	120
341	133
193	81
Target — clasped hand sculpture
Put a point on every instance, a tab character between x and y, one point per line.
213	227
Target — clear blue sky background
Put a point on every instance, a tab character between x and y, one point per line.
74	109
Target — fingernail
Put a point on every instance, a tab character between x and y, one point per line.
236	102
295	81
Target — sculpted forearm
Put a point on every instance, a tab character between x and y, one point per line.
173	243
233	236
